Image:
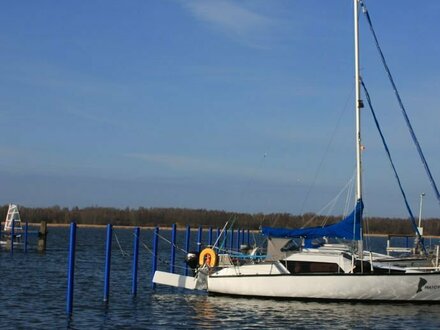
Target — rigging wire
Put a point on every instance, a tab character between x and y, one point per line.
330	204
387	150
330	141
219	236
399	100
349	198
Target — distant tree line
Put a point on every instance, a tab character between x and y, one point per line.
207	218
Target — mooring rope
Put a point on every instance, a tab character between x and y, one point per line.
124	254
171	243
158	257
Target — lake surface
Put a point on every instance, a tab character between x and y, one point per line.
33	294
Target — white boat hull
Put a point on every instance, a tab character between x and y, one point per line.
406	287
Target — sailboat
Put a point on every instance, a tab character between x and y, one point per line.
12	229
328	271
13	220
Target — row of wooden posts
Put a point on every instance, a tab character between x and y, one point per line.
12	237
232	240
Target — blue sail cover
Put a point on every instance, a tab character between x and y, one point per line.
349	228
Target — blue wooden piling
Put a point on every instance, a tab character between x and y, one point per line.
199	239
238	239
71	269
225	240
26	227
217	240
187	236
242	237
210	236
231	240
12	236
155	244
248	238
108	256
173	248
135	261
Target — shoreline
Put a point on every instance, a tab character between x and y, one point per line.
180	228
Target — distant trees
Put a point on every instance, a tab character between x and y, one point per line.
201	217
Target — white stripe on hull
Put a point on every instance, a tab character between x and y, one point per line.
408	287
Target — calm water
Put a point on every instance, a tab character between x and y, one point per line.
33	295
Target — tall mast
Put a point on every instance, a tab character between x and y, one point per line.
358	106
358	102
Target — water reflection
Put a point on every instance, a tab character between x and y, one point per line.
211	312
34	293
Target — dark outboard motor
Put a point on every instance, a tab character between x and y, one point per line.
192	259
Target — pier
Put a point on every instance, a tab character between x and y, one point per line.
164	248
29	236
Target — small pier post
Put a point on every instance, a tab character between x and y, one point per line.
173	248
108	256
42	236
71	269
135	261
155	244
187	237
26	228
199	239
248	238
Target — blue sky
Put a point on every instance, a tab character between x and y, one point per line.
233	105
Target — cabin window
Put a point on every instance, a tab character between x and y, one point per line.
299	267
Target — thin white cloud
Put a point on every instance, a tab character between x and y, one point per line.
215	167
88	115
232	18
172	161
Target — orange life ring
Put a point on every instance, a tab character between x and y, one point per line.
208	257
